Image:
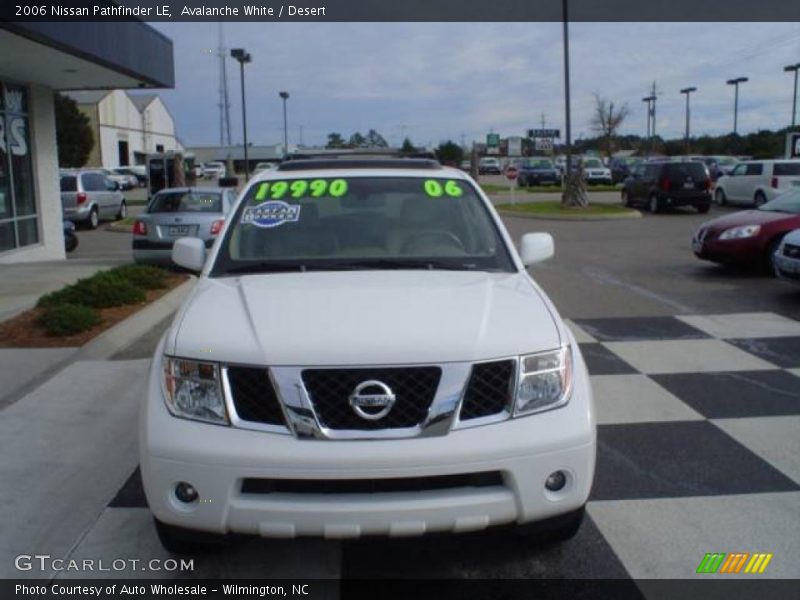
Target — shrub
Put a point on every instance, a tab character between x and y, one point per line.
68	319
143	276
101	290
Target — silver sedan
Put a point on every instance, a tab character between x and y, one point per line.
179	212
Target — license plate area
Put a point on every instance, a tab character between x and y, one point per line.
179	230
689	185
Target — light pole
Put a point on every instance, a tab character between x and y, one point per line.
243	57
789	69
650	120
285	97
735	83
567	107
687	91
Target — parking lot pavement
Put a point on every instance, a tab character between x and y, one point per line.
102	243
699	458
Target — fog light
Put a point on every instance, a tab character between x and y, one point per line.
556	481
186	492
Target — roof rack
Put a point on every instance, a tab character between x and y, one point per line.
307	164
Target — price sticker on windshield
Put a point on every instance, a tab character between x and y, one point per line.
301	188
436	188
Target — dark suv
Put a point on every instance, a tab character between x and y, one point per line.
660	185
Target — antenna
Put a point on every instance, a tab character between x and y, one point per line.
224	104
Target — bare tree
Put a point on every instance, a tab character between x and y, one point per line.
607	120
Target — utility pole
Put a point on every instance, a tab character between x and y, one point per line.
285	96
224	104
735	83
650	125
568	129
243	57
687	91
789	69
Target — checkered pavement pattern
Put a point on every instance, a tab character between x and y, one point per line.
698	451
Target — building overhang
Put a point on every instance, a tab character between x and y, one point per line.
87	55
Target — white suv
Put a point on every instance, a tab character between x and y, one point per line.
757	181
364	353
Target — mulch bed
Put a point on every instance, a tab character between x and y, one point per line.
23	331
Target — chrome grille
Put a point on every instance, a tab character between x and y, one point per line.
413	387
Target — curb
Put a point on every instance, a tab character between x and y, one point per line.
126	229
111	341
634	214
124	333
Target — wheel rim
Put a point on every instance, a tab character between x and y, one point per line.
94	219
653	204
760	199
123	210
625	198
719	197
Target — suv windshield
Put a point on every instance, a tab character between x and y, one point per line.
592	163
361	223
788	202
186	202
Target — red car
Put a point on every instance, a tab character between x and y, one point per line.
749	237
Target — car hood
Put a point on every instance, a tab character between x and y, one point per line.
746	217
363	317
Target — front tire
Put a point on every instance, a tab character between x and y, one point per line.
555	529
177	540
720	198
766	261
123	210
759	199
703	208
626	199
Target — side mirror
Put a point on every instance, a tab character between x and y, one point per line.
189	253
536	247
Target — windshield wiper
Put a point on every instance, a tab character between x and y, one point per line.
401	263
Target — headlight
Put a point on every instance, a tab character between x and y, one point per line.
545	380
737	233
193	390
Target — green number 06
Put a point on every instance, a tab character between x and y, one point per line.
434	188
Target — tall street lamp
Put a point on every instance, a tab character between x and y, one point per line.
243	57
285	97
735	83
789	69
687	91
651	126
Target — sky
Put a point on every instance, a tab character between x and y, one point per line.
438	81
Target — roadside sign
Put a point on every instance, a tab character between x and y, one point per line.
492	140
544	133
514	146
543	144
511	172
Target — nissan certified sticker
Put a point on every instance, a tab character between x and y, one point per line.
270	214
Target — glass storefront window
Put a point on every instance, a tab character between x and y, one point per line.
18	222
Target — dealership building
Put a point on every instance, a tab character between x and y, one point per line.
36	60
127	126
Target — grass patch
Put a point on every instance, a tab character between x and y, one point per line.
555	208
493	188
68	319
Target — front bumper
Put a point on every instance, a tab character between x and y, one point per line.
786	268
742	251
216	460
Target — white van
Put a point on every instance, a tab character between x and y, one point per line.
757	181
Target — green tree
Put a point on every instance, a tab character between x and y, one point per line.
408	147
375	140
335	140
357	141
74	137
449	153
